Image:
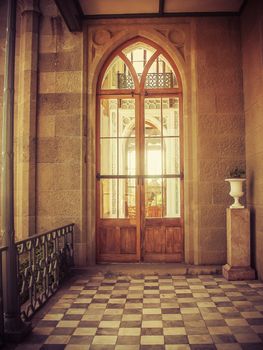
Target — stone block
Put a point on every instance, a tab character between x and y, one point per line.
59	62
205	192
68	125
47	83
46	176
44	223
66	203
212	257
206	103
213	237
59	103
218	169
47	150
222	146
254	114
58	203
212	216
47	44
229	102
68	149
238	273
68	82
238	237
254	142
46	126
66	176
220	193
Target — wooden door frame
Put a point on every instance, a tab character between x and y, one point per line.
139	93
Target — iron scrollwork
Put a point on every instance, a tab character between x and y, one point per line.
43	262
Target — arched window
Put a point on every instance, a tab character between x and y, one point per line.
139	158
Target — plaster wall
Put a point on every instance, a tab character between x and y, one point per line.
252	49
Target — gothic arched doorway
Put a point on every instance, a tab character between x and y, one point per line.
139	157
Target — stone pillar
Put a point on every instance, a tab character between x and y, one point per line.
238	246
26	124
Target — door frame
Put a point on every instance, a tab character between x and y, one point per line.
139	93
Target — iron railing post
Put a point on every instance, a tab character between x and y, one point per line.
15	328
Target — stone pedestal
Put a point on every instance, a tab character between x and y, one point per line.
238	246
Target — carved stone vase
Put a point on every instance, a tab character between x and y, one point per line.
236	191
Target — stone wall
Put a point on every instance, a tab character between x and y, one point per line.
252	47
207	52
211	69
60	129
220	128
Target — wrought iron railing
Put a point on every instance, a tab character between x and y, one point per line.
44	261
153	80
2	250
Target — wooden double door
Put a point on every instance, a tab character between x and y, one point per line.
139	156
139	178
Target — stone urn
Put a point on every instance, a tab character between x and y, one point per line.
236	191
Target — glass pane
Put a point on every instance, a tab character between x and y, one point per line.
127	198
139	54
170	108
153	198
126	117
171	155
153	156
108	156
108	118
152	115
171	198
127	156
161	75
108	198
117	76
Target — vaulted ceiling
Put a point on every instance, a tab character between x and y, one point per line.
75	11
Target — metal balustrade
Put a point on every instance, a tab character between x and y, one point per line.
152	80
44	260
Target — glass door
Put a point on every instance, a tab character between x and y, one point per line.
162	234
117	185
139	157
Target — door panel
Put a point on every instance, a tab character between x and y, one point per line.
162	224
117	222
163	243
128	240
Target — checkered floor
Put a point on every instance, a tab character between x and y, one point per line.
153	312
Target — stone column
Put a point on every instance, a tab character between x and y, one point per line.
26	124
238	246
